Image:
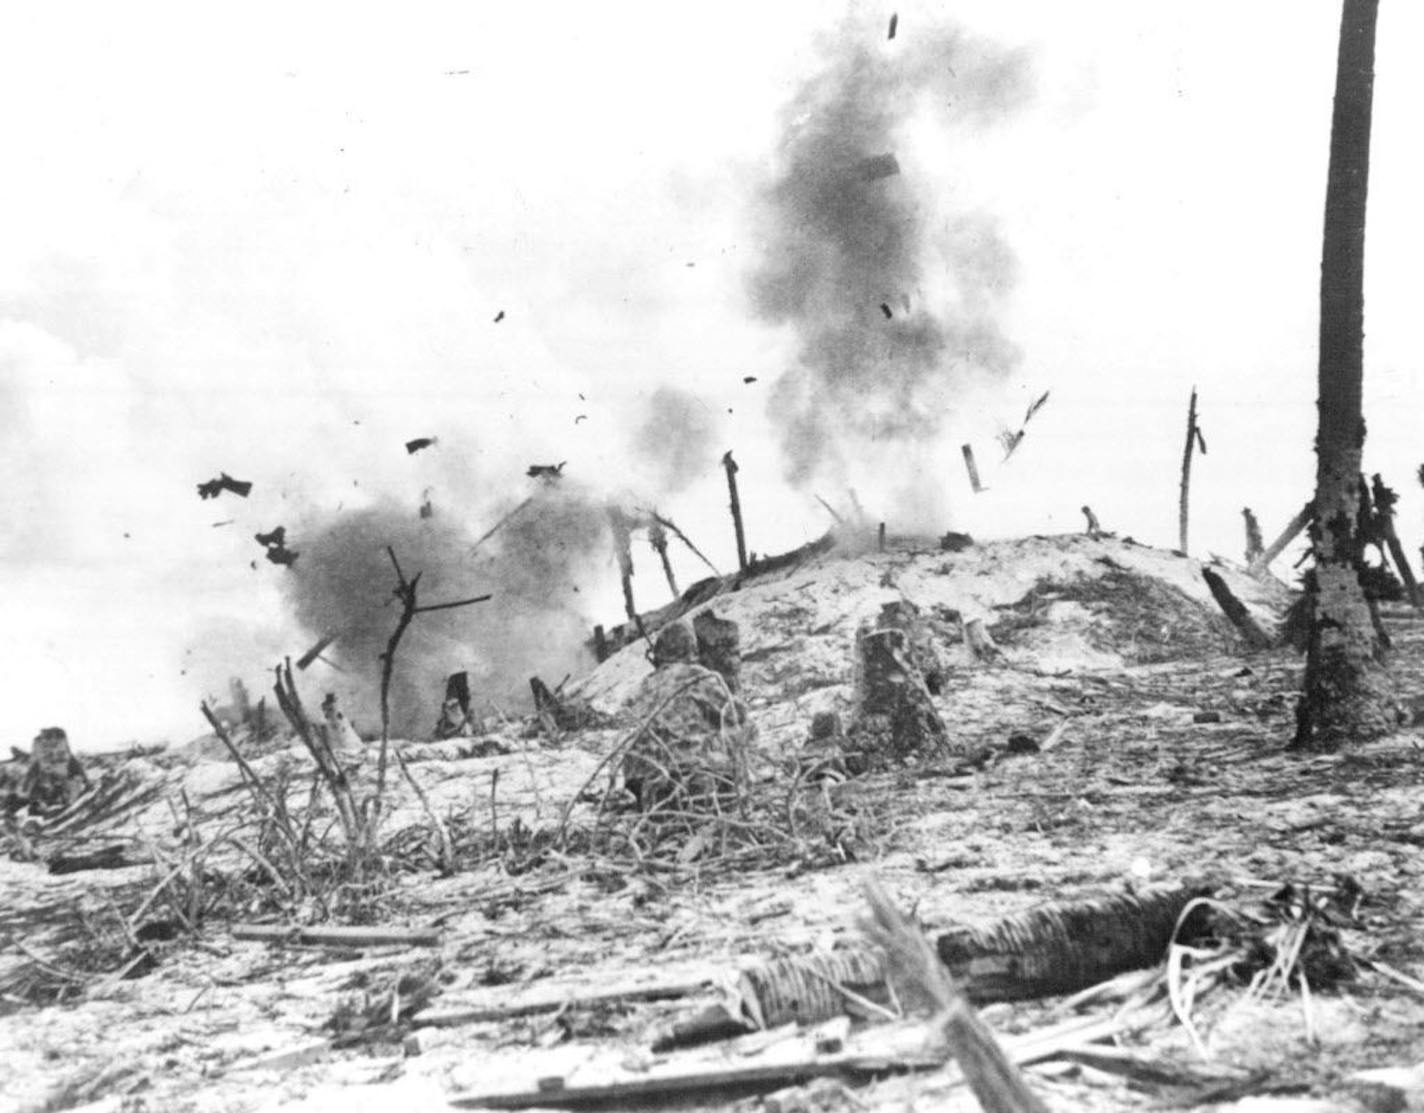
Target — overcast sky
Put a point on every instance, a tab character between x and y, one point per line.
275	242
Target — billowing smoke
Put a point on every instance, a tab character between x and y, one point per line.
677	436
343	583
894	298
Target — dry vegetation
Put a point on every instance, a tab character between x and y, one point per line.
574	933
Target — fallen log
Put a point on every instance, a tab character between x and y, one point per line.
1236	611
105	858
995	1078
556	999
337	936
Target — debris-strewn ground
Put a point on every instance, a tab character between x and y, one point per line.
1167	761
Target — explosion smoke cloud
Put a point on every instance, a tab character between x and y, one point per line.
532	625
677	435
889	317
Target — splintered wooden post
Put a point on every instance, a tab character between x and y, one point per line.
731	466
972	468
623	546
1194	442
657	536
882	537
1094	529
600	644
1254	546
1278	546
1384	500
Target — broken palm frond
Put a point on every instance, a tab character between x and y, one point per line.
1063	947
117	794
1236	611
915	971
1289	944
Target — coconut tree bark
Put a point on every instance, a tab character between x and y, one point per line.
1347	694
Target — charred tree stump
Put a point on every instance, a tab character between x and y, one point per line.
719	647
455	720
1236	611
1254	547
895	715
1278	546
1384	500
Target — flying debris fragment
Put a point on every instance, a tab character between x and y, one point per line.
581	417
1010	441
280	554
412	447
315	652
749	378
499	316
1036	406
886	310
547	472
879	166
971	467
894	23
224	482
275	542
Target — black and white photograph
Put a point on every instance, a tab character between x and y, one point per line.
814	557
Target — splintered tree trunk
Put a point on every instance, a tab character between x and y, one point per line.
1347	694
1184	500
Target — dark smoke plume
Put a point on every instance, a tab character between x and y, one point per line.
532	566
890	314
677	434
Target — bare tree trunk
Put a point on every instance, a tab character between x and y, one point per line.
1348	693
1194	439
736	504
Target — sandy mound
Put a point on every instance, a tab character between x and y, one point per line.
1054	605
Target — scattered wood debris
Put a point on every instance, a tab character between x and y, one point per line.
546	472
418	443
224	482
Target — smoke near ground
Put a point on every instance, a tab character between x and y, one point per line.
893	298
677	436
533	567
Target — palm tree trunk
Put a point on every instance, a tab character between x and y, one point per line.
1347	694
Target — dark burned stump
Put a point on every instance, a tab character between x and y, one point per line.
689	756
895	715
719	647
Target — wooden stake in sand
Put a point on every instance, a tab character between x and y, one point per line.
732	469
1194	442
